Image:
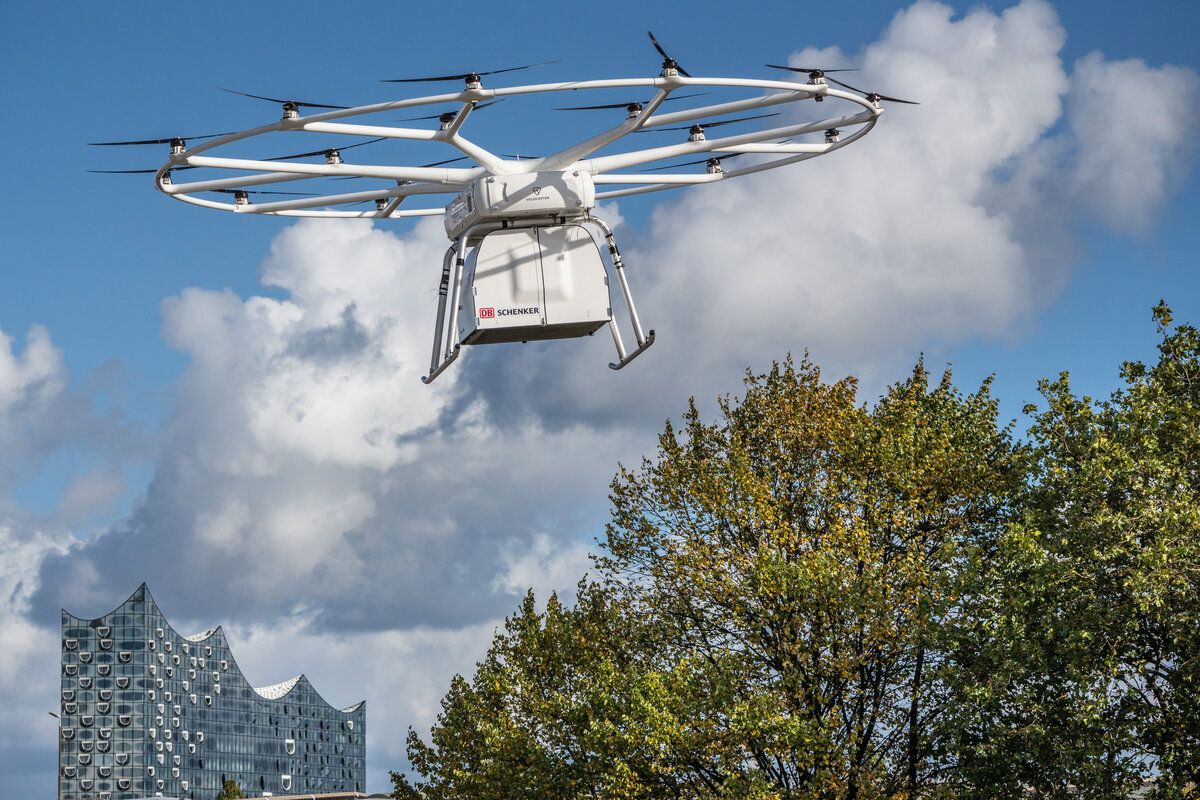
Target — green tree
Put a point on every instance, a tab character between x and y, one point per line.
230	791
1091	617
774	616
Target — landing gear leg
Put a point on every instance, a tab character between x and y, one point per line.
644	340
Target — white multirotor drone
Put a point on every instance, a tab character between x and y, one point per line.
523	264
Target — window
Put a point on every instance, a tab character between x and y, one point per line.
103	630
286	781
122	759
199	736
85	682
191	748
217	689
290	746
160	633
161	708
122	783
70	669
102	708
86	746
68	733
68	694
70	708
84	759
106	733
106	644
85	783
87	720
71	644
167	646
85	657
186	686
103	669
102	747
151	645
207	652
124	656
106	694
184	647
158	720
122	683
105	772
207	700
68	772
192	697
153	670
162	658
224	664
150	770
158	746
150	694
124	720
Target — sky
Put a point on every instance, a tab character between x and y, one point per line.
229	407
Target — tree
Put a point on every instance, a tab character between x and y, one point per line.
774	615
1092	616
230	791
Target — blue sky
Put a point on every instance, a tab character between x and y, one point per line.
156	424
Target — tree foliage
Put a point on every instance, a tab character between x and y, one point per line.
1090	679
813	598
230	791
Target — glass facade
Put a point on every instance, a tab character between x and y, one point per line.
146	712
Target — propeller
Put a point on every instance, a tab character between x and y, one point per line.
703	125
875	97
470	77
446	116
288	105
324	152
173	140
813	72
711	161
134	171
668	62
422	166
253	191
638	103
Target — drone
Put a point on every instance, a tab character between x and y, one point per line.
526	255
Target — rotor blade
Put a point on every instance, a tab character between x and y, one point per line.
241	191
466	75
808	70
690	163
278	100
474	106
134	171
159	141
713	124
666	58
626	105
323	152
876	95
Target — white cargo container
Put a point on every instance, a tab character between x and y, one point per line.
527	284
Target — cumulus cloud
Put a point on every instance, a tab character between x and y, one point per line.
306	475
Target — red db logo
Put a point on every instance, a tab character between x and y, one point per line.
487	313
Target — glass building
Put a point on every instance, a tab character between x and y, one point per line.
147	712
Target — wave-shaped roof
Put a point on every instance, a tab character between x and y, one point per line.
272	692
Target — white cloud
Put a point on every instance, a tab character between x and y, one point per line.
307	475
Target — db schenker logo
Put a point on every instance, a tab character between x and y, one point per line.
487	313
